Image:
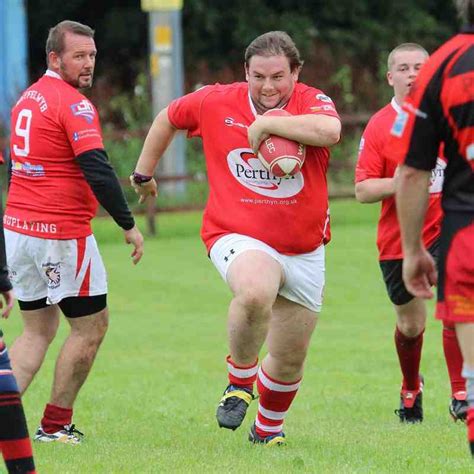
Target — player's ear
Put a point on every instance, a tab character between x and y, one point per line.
389	78
296	73
246	68
53	61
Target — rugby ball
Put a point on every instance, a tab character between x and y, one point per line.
279	155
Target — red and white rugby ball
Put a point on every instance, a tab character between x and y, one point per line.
279	155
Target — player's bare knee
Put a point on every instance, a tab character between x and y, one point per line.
256	300
410	328
289	361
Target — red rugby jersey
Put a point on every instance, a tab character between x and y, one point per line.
51	124
290	215
374	162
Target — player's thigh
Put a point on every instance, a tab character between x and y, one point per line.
456	292
411	315
93	325
41	322
291	328
248	265
392	273
305	278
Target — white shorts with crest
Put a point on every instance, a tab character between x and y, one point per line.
303	273
55	269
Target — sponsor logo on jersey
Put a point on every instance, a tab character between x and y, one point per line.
323	107
437	176
248	170
34	226
230	122
88	133
83	109
27	169
399	125
37	97
53	273
361	144
323	98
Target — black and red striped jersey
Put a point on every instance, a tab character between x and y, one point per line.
440	108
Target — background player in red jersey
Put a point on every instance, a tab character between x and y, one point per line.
59	171
264	234
375	181
440	108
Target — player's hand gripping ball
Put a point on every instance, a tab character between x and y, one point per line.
281	156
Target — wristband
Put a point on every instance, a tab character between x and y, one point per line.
141	178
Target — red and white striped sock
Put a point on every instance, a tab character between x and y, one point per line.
242	375
273	404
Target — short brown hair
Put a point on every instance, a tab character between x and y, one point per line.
55	41
274	43
404	47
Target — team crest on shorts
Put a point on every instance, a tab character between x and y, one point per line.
53	272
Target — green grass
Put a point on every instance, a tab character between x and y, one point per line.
148	405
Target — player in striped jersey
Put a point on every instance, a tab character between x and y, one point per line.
440	107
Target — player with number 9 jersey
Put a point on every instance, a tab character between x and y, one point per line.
52	123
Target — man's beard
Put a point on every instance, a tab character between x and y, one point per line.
76	82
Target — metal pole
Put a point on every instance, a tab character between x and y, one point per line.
166	67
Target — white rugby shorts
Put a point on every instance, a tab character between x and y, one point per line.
303	273
55	269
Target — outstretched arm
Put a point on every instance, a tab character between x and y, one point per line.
159	137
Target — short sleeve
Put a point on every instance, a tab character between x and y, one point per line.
370	161
184	113
80	120
316	102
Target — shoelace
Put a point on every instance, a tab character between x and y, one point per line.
71	430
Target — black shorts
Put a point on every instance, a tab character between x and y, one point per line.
72	307
393	277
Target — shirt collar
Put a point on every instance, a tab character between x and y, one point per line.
50	73
252	106
395	105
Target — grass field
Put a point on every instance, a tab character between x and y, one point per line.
149	404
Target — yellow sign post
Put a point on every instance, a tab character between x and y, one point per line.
166	71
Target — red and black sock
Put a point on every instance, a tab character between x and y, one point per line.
409	355
454	360
15	443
